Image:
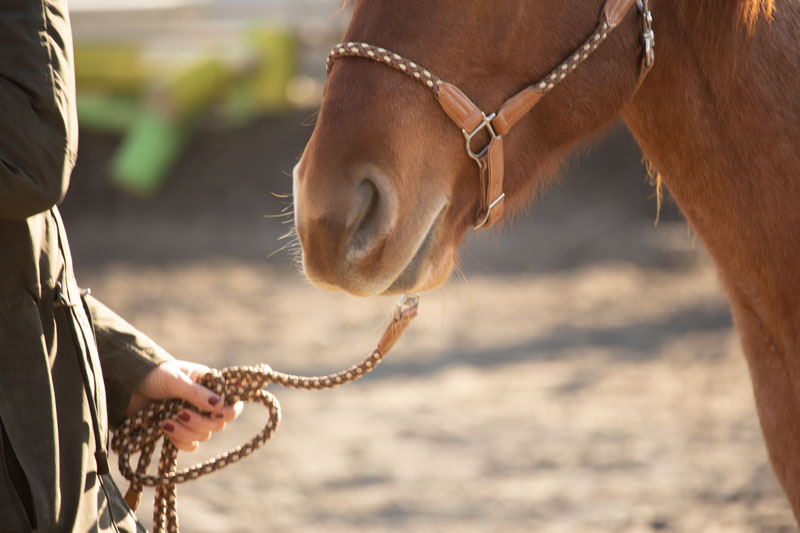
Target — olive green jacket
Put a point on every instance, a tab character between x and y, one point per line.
60	353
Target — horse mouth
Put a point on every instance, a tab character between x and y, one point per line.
415	273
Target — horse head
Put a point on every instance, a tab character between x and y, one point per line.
384	191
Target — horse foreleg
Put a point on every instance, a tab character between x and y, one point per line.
775	372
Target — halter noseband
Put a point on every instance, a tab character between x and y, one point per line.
472	120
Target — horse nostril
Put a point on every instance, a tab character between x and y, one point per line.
369	221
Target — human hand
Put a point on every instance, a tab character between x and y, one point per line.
177	379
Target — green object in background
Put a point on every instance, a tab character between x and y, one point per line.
148	150
153	104
107	112
161	126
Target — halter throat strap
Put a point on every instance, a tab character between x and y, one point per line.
472	120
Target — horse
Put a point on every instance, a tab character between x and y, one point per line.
384	193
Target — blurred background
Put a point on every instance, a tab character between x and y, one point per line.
582	373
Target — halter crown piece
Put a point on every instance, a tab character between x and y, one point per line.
469	117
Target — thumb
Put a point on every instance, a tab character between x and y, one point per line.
184	388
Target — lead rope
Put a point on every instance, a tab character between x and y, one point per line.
141	432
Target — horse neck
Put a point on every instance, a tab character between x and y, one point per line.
719	120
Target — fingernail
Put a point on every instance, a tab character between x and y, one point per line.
219	415
184	416
168	427
214	400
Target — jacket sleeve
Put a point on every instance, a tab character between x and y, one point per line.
34	170
126	357
38	119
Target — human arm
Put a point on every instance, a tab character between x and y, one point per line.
138	371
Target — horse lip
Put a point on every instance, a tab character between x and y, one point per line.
410	273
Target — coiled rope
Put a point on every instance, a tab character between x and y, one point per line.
141	432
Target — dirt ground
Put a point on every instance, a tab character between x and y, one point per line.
582	375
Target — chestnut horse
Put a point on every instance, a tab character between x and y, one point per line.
384	191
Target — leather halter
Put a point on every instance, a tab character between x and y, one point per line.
469	117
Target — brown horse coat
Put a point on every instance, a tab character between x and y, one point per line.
384	192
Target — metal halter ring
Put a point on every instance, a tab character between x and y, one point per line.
486	123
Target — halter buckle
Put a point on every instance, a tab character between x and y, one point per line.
486	123
406	304
484	218
648	36
649	47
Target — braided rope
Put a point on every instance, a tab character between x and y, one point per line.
431	81
386	57
141	432
580	55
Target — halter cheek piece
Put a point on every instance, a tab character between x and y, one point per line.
469	117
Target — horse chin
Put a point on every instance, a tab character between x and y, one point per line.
430	274
420	273
430	265
425	275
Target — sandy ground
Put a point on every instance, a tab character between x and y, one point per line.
583	374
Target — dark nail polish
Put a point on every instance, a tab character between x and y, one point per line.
184	416
219	416
214	400
168	427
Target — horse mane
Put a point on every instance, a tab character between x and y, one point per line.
752	10
742	13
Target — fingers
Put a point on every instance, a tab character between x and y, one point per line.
195	394
190	428
176	379
182	437
228	413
